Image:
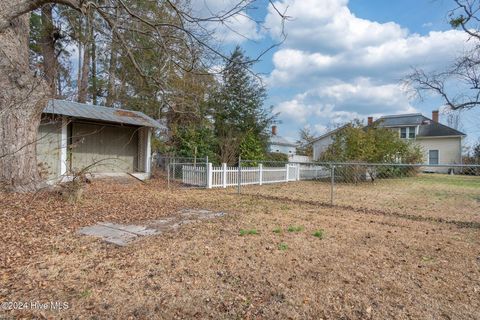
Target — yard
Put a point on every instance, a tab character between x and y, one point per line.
396	249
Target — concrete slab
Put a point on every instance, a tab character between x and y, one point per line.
122	234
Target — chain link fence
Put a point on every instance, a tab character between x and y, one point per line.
447	190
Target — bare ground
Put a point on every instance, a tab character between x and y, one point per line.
369	263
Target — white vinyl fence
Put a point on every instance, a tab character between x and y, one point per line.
224	176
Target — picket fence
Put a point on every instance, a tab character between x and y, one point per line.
222	177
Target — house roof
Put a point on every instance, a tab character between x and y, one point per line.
434	129
329	133
427	127
281	141
93	112
412	119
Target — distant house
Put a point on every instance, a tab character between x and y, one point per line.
279	144
321	143
440	143
108	141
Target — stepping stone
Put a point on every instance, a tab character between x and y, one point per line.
123	234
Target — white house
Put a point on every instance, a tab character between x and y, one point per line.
440	143
321	143
279	144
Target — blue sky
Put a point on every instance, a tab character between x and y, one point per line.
345	59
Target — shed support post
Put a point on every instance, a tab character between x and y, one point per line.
64	147
148	152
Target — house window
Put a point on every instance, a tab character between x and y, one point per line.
407	132
411	132
433	157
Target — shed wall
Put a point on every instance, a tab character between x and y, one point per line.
104	148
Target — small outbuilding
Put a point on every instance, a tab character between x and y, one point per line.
100	140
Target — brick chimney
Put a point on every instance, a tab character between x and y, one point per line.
274	130
370	121
435	115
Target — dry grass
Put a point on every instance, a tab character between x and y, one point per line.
454	198
365	265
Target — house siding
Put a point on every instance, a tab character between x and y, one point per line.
282	149
450	150
320	146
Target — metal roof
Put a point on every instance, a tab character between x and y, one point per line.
93	112
281	141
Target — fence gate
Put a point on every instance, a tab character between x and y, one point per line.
292	172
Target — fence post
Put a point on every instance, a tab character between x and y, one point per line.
260	173
209	175
286	172
332	184
298	172
168	175
239	177
224	175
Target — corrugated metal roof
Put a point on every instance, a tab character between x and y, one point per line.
281	141
88	111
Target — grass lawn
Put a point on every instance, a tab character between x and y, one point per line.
277	253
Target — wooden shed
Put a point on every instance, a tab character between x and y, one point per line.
104	141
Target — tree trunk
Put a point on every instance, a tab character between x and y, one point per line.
48	46
22	99
112	74
94	70
83	85
112	68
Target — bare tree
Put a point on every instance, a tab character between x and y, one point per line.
459	84
24	93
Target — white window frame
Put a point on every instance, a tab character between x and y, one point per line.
438	156
407	132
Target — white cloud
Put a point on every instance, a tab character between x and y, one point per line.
341	66
328	25
342	102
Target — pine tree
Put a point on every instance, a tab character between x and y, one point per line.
239	108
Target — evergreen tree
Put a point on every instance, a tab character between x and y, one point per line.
239	109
